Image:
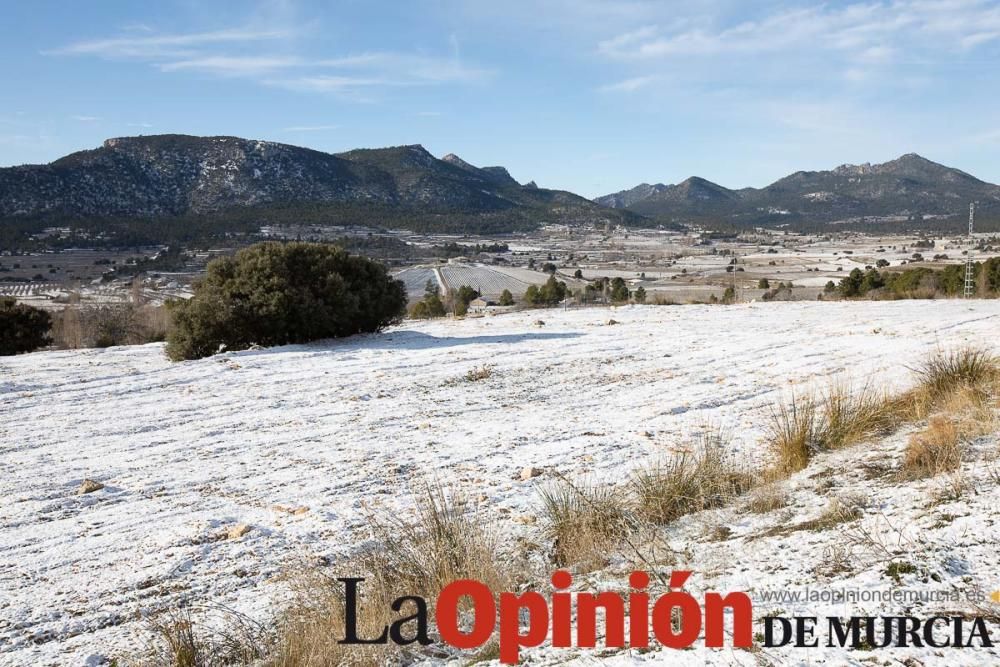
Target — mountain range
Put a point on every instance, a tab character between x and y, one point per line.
234	183
910	186
179	175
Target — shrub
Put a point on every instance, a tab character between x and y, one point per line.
506	298
619	290
22	327
763	283
428	307
640	294
549	294
276	294
461	298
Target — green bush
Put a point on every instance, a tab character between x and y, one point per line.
428	307
461	298
619	290
549	294
431	305
22	328
277	294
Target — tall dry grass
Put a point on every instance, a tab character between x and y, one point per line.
946	371
849	415
957	392
584	523
690	482
233	639
791	433
959	382
933	450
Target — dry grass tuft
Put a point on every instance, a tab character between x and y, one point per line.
840	510
479	373
445	542
952	487
851	416
234	639
972	410
585	523
947	371
792	433
910	406
689	483
442	543
767	498
934	450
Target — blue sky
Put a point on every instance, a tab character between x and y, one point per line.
577	94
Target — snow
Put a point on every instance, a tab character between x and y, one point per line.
344	427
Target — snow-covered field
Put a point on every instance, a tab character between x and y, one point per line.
342	428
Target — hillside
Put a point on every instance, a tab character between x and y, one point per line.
176	175
301	444
907	187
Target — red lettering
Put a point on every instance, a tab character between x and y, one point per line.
484	612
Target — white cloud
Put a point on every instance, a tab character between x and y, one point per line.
351	74
628	85
870	31
324	83
156	46
223	53
620	44
232	65
86	119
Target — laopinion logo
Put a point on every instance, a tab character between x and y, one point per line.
467	614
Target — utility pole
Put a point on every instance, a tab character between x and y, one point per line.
970	283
